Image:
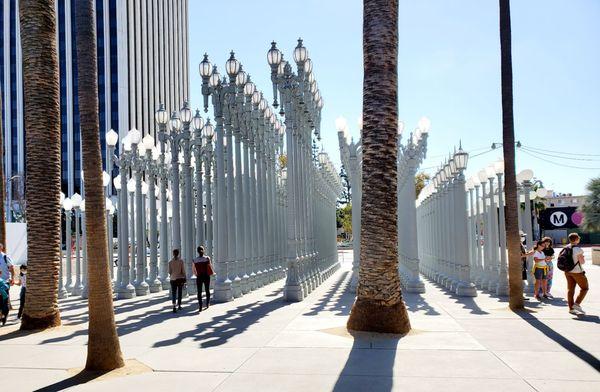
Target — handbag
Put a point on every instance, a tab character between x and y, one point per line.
209	269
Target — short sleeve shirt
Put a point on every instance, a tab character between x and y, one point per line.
542	256
576	252
5	263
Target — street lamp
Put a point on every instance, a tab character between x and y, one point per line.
76	200
67	205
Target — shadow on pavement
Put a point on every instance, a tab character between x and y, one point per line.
341	305
567	344
78	379
219	329
369	369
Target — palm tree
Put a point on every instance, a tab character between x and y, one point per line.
379	306
42	140
104	351
591	206
508	146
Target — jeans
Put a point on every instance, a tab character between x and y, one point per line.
176	289
22	301
573	279
200	280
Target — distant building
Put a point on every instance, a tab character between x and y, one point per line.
563	200
142	61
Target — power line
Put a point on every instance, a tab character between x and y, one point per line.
558	164
558	156
563	152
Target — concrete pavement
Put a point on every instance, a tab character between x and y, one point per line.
260	343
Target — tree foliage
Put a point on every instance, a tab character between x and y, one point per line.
591	206
421	180
346	195
344	218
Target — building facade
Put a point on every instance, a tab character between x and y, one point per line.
142	61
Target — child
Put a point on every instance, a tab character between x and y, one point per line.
4	299
540	269
549	252
23	284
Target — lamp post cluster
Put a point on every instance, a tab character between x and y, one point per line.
351	157
442	219
410	156
259	202
299	99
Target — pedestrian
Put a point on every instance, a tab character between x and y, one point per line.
540	269
177	279
549	252
4	298
524	254
8	270
23	284
571	261
202	268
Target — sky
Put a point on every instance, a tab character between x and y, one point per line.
448	70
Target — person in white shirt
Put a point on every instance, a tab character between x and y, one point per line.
23	284
576	277
540	269
6	266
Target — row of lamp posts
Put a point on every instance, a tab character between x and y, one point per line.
260	202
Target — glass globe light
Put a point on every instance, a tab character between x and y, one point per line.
490	172
525	175
131	185
208	130
268	112
341	124
249	88
155	154
482	175
117	182
263	104
135	136
205	67
499	167
112	138
197	121
161	116
144	188
320	103
105	179
274	55
175	122
186	113
256	96
241	78
313	87
67	204
424	124
311	77
308	66
148	142
76	199
281	68
215	78
300	53
232	66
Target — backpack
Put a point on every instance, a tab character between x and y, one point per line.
565	261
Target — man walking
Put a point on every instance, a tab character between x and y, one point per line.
7	275
576	276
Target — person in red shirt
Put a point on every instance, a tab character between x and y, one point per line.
202	268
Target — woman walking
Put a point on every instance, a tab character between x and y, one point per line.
549	252
177	279
202	268
540	269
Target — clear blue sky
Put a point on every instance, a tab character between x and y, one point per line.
449	70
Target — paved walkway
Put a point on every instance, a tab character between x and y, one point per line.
260	343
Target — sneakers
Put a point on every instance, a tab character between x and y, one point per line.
4	320
174	309
578	308
573	311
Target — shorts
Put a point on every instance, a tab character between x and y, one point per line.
540	273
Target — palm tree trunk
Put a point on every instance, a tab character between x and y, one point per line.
508	140
379	306
104	351
42	140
